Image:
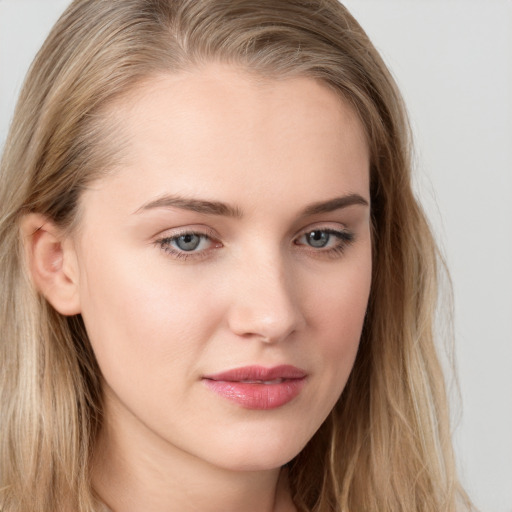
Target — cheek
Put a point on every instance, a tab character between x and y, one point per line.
337	315
141	316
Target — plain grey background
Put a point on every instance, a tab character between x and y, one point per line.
453	62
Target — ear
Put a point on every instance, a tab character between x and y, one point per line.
52	263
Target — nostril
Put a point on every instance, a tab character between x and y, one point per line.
265	304
265	326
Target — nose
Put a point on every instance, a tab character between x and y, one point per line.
265	302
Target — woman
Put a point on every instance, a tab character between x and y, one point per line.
223	289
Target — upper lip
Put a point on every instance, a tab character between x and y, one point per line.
258	373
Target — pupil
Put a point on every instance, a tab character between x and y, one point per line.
318	238
188	242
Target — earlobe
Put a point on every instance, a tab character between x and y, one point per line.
51	262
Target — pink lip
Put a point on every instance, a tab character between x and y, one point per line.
257	387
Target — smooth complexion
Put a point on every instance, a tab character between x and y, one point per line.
236	234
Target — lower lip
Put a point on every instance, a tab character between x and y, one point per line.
257	396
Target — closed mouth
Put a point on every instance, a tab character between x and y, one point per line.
257	387
259	374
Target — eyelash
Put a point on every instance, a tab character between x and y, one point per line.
345	239
165	244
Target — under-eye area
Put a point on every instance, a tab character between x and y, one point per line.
187	244
198	336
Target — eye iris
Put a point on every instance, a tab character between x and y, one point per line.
188	242
318	239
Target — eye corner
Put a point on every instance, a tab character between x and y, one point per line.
332	242
198	243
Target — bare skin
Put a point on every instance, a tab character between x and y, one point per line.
236	234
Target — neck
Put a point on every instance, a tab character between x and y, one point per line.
134	469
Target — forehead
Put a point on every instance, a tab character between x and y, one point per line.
219	130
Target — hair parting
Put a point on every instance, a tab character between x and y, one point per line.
386	446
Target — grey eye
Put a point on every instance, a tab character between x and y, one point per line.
318	239
188	242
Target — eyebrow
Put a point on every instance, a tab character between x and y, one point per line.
335	204
223	209
195	205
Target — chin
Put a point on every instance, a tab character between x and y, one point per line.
258	453
255	463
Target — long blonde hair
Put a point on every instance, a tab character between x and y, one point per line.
386	446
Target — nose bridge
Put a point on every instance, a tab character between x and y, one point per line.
265	303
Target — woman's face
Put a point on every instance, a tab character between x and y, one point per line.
224	269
